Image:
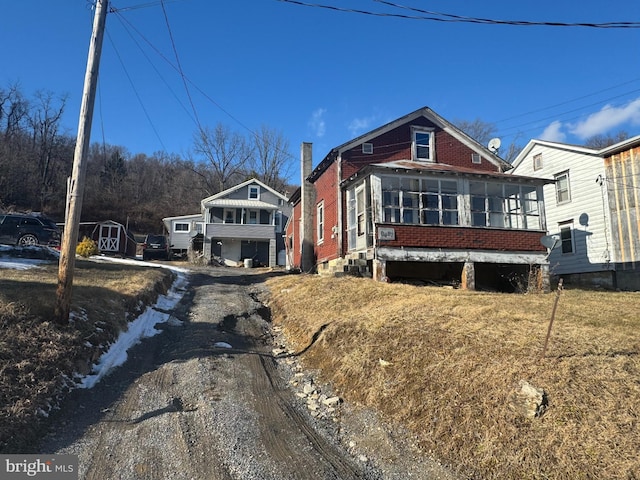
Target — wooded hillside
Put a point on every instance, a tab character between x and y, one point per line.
36	159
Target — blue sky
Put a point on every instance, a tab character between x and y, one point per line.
325	76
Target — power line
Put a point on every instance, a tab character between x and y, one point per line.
135	91
450	18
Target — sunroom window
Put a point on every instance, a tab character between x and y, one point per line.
420	201
504	205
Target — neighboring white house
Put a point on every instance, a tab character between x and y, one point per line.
587	207
182	232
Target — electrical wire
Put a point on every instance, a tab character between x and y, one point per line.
135	91
450	18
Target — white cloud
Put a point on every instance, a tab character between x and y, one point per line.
358	126
553	132
317	123
607	118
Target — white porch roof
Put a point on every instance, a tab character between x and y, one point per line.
235	203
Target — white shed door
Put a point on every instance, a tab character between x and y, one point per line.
109	240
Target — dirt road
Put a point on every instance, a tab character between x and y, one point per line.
184	408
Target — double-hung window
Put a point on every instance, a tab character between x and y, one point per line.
422	143
320	221
563	192
254	192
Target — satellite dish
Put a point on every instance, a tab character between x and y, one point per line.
550	241
494	144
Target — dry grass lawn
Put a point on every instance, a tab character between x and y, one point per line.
36	355
455	358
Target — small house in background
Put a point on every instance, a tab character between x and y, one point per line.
185	234
418	199
245	223
592	209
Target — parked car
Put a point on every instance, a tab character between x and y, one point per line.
28	229
156	246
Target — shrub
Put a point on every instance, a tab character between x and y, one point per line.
87	247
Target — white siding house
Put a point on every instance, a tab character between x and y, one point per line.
579	207
245	222
182	230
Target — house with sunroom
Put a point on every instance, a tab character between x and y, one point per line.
592	210
419	199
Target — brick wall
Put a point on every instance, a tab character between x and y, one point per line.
327	190
464	238
396	145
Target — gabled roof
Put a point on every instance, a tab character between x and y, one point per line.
553	145
228	191
425	112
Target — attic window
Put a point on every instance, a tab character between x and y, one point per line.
537	161
254	192
475	158
422	144
367	148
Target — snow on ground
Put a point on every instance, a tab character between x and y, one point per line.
141	327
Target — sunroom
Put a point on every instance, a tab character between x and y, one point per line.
408	219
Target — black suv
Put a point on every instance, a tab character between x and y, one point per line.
28	229
155	246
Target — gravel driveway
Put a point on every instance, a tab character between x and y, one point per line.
185	406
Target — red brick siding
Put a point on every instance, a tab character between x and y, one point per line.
396	145
327	190
464	238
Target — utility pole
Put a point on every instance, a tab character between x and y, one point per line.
76	188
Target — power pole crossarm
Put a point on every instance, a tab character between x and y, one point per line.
76	193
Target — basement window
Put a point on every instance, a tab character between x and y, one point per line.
566	237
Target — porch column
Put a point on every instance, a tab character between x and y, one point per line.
379	270
273	261
468	280
206	248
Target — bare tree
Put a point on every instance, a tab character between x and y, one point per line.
227	154
603	141
482	132
272	161
44	122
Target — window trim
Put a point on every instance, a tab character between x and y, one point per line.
567	226
256	189
557	177
175	227
537	162
415	131
320	222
